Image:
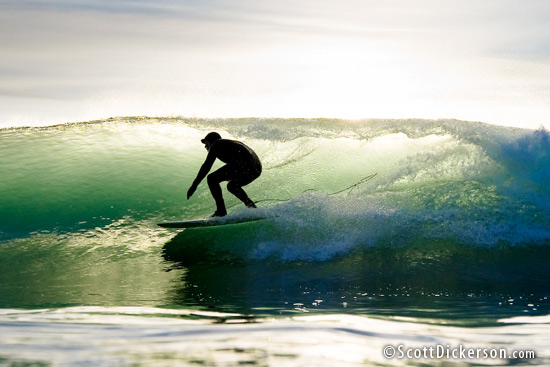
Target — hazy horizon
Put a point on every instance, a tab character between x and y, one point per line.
68	61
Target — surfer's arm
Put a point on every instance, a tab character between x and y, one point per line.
205	168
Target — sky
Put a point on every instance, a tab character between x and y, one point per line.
79	60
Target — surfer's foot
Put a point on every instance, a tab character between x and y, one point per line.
218	213
250	204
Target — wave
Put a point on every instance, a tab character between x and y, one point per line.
464	183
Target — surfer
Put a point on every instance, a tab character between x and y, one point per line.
242	166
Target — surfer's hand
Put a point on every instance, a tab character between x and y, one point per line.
191	191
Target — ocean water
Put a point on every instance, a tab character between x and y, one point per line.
404	234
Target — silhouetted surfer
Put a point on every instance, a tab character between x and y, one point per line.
242	166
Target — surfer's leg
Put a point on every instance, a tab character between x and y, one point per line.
237	190
214	180
236	187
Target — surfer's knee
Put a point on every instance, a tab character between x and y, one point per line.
233	187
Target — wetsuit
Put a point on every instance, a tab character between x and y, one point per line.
242	167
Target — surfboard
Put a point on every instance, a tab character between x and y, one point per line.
209	222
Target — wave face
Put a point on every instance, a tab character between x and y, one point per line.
436	181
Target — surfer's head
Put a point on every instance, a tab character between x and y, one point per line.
210	139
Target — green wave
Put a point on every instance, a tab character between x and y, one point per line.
469	183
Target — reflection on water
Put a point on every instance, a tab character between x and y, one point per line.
141	336
415	281
204	270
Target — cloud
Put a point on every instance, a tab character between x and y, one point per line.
259	57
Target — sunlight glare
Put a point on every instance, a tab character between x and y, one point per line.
352	79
